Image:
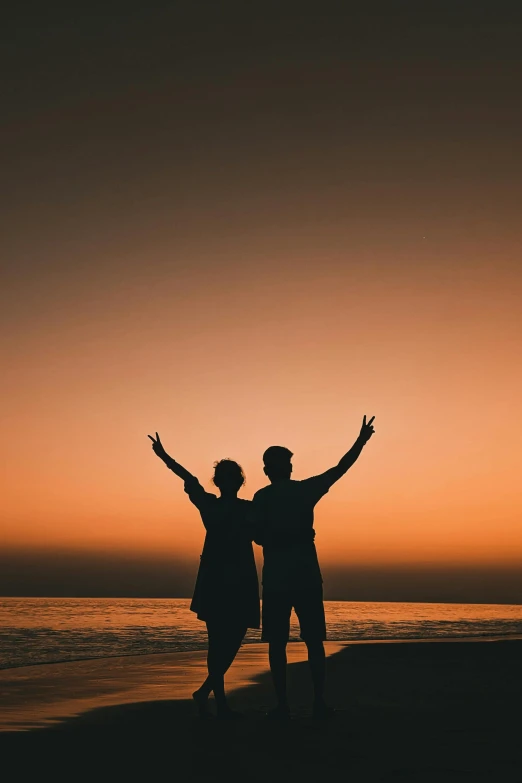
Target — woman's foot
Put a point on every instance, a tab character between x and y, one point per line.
201	700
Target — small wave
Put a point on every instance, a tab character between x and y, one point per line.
38	631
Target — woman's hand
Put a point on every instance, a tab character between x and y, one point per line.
157	447
175	467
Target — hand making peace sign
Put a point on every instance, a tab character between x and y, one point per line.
366	430
157	446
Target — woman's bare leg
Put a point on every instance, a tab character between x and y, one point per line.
223	646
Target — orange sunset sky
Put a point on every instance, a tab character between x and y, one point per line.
240	245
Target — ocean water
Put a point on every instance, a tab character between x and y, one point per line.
45	630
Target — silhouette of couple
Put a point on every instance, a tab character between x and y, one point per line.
279	518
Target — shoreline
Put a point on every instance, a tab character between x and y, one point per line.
404	640
43	695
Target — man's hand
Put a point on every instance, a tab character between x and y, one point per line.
366	430
157	447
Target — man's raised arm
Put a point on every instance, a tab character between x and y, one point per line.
345	463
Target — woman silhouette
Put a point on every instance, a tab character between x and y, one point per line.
226	594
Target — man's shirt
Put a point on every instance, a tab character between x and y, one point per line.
283	515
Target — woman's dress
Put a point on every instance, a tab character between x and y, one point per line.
226	589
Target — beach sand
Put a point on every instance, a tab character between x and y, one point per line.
414	711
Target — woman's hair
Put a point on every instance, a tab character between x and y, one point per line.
226	469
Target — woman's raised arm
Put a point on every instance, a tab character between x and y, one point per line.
175	467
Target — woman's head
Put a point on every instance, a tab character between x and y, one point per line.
228	475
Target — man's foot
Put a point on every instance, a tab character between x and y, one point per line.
225	713
321	711
201	700
279	713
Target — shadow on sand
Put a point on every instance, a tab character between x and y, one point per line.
427	711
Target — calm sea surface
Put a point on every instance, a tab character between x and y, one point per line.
44	630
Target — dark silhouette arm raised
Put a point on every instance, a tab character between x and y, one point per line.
345	463
175	467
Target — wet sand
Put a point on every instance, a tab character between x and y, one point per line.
426	711
36	697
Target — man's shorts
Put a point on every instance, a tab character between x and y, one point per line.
309	608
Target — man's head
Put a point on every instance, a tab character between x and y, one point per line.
277	462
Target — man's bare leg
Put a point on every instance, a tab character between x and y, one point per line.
277	658
317	663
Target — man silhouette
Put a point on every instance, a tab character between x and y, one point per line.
283	515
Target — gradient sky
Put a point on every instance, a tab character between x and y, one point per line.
241	228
